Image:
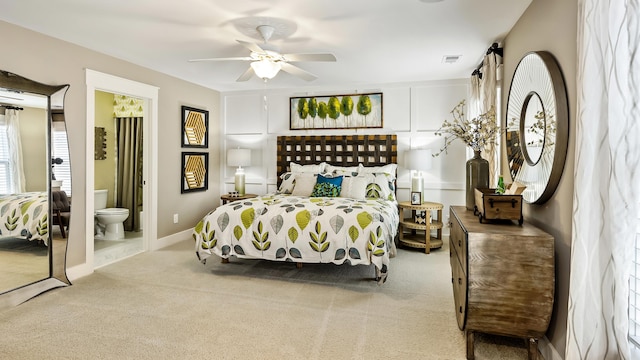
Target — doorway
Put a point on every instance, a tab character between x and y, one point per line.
118	166
97	81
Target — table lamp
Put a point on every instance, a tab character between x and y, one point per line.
418	160
239	157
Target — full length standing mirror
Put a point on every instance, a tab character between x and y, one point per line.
35	188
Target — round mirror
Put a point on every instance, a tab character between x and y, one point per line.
537	126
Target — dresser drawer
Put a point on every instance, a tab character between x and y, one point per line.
459	281
458	239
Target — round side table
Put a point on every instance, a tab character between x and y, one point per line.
411	238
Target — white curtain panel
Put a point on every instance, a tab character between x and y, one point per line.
15	151
475	103
483	98
488	95
607	180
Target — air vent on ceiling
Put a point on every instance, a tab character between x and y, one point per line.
450	59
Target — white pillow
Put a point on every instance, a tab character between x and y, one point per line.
380	186
304	184
311	169
355	187
341	170
386	169
288	183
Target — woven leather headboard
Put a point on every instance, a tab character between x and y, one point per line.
342	150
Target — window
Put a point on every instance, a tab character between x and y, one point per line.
60	149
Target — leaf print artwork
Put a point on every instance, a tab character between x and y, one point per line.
276	223
247	217
354	233
293	234
303	218
237	232
261	240
223	221
319	239
364	219
336	223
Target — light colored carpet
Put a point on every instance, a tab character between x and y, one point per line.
22	262
166	305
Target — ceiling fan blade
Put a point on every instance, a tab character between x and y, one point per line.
309	57
244	58
294	70
251	46
246	75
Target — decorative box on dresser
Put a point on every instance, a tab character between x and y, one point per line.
503	278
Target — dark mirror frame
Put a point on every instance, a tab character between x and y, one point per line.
537	73
57	249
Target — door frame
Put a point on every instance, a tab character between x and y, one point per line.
109	83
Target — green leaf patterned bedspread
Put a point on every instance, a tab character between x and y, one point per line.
25	215
302	229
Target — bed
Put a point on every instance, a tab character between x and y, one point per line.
25	216
356	225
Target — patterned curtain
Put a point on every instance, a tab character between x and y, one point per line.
129	180
607	179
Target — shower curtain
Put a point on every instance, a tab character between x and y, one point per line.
129	180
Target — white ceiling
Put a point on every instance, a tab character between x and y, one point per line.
375	41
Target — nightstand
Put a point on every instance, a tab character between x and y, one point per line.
227	197
412	238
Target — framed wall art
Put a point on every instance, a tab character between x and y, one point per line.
336	112
195	127
195	172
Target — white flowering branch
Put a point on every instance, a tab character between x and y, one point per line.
476	133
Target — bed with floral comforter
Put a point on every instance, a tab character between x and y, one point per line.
299	229
25	215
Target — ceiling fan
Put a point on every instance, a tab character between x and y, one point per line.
267	61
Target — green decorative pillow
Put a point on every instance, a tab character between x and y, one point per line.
327	187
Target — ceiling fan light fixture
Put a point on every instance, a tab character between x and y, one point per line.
266	69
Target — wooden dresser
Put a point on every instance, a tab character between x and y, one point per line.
503	278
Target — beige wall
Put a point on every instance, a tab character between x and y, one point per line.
105	170
33	135
551	25
52	61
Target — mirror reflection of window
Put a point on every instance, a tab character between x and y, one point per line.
5	169
59	149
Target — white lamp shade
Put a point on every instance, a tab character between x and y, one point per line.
265	69
239	157
418	159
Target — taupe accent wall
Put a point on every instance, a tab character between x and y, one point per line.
551	25
52	61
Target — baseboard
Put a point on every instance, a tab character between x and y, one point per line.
547	350
171	239
78	271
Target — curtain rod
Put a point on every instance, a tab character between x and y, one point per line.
9	107
494	48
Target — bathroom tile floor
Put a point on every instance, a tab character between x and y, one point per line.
109	251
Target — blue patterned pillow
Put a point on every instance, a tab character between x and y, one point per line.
327	187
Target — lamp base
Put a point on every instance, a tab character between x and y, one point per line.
417	184
239	181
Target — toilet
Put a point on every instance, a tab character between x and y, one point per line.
109	220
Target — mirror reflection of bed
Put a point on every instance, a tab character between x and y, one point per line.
32	134
23	261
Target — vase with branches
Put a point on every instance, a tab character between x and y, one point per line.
477	133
